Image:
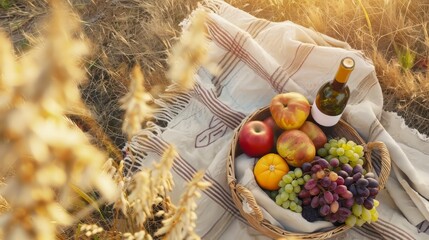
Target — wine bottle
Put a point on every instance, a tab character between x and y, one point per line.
332	97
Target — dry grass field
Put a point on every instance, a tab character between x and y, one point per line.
104	45
393	33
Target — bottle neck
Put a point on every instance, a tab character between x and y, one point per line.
336	85
343	73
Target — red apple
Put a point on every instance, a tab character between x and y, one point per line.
289	110
256	138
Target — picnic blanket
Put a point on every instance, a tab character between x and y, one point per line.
259	59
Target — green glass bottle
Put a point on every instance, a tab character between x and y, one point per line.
332	97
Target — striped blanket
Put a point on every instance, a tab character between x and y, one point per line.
259	59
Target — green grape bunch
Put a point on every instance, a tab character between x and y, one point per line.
361	215
290	186
347	151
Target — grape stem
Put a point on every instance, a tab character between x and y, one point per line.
321	188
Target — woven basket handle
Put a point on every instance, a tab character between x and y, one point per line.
385	161
249	203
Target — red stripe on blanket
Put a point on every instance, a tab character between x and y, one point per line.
228	66
368	232
363	88
304	51
390	229
230	117
230	60
215	192
274	77
226	41
281	76
294	56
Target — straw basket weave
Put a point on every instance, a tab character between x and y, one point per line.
255	218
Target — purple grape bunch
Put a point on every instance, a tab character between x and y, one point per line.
364	187
337	188
325	192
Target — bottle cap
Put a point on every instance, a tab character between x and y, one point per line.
348	63
346	67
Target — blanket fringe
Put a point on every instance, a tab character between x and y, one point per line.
210	6
415	132
170	103
215	6
136	149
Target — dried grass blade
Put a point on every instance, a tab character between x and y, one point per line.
88	199
365	13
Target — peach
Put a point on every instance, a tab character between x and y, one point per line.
295	147
315	133
289	110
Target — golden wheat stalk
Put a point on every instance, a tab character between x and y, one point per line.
136	104
190	52
163	179
181	223
150	187
46	153
140	235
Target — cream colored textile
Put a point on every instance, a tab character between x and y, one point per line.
259	59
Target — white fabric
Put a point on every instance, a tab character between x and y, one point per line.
258	60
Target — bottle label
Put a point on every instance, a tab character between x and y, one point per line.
323	119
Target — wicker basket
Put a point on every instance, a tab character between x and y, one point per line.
255	218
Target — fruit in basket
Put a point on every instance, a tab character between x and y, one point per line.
276	129
363	187
290	186
256	138
315	133
346	151
361	215
269	170
326	192
270	122
310	214
295	147
339	192
289	110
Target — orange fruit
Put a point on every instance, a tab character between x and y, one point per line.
269	170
